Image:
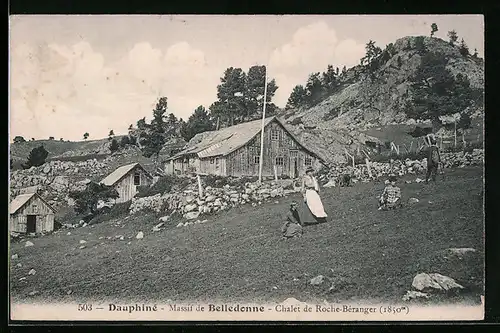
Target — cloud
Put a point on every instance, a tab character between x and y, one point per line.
312	49
64	91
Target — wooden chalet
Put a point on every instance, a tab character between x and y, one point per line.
29	213
126	179
235	151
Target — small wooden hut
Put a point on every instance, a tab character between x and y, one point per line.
29	213
126	179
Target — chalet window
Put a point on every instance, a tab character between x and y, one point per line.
308	160
137	178
243	158
217	162
275	135
279	161
292	143
212	160
35	208
294	153
256	159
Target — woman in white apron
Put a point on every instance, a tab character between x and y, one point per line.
310	190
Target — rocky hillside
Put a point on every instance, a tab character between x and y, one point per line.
364	101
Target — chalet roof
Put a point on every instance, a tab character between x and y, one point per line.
121	172
22	200
223	141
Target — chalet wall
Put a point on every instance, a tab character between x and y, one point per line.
127	189
213	166
292	162
35	206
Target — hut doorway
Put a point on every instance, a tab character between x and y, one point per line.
294	170
31	223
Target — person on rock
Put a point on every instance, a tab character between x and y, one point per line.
391	196
310	190
292	226
433	160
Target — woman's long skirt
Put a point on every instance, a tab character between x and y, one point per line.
314	203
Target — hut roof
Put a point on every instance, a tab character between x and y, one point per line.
121	172
227	140
22	200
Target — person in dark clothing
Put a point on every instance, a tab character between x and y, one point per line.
433	160
292	226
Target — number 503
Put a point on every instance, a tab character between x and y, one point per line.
84	307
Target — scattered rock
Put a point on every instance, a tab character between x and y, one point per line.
82	247
191	215
418	180
83	241
316	281
331	183
180	224
28	243
164	219
413	200
32	272
14	256
434	281
33	293
412	294
69	292
461	251
19	265
140	235
69	233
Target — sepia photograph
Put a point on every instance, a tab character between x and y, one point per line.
246	167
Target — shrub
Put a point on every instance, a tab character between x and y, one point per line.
118	210
296	121
36	157
114	145
215	181
87	200
164	185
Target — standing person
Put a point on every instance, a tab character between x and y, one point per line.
292	226
433	160
310	190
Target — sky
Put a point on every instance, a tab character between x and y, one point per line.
71	74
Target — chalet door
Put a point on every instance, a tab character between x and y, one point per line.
30	224
294	164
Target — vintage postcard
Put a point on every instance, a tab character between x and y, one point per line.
246	168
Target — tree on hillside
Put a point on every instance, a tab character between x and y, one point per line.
61	139
171	119
344	70
87	200
85	136
198	122
36	157
329	79
434	29
254	92
111	133
475	56
453	37
463	48
19	139
154	139
125	140
230	93
141	124
314	89
51	138
130	127
420	45
298	97
32	139
436	92
372	52
114	145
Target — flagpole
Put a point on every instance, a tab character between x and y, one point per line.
261	159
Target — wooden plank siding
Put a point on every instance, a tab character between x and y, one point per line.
277	144
280	149
35	206
127	189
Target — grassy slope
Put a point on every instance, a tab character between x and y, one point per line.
239	255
